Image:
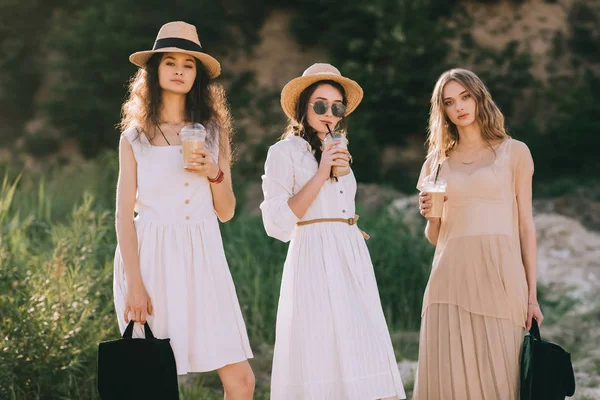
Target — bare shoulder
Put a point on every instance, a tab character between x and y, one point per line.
125	144
126	151
131	134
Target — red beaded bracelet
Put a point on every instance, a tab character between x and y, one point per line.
218	179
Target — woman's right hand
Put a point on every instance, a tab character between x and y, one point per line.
137	304
332	157
425	205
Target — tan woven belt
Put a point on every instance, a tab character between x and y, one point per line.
349	221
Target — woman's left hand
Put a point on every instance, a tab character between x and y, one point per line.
534	311
203	164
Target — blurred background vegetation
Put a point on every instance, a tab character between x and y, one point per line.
63	75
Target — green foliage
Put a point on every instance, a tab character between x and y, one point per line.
559	186
52	194
569	145
94	41
23	24
56	302
402	262
256	262
56	254
394	49
208	387
584	21
395	60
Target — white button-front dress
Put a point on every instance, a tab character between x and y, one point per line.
182	262
332	341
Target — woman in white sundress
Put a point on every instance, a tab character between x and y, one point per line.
332	341
170	267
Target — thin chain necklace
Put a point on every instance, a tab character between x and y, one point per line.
172	126
475	160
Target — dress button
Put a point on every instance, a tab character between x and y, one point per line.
341	191
181	151
187	202
344	211
186	184
188	218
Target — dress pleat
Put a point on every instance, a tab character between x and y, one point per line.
475	303
332	341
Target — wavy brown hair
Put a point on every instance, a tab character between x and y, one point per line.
206	103
442	134
299	126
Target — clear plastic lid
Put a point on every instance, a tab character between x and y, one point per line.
337	137
194	131
431	185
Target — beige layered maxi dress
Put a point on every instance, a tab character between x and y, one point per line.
475	305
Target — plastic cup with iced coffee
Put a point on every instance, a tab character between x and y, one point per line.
437	190
341	142
192	139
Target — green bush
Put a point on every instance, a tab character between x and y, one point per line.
56	302
394	59
402	262
583	23
92	41
394	49
56	279
23	25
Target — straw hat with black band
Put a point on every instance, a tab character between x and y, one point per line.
178	37
315	73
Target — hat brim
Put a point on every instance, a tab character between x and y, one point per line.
292	90
213	67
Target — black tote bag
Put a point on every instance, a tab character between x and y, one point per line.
546	369
137	368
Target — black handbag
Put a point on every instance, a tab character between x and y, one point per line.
137	368
546	369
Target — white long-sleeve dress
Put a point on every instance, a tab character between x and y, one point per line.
332	340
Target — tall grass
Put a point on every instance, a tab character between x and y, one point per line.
56	302
57	245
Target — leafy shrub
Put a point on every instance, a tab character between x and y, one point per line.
56	280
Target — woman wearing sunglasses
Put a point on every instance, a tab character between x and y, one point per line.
332	340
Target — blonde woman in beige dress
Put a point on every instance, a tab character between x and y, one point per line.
481	296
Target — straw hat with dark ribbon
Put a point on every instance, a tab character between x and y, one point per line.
315	73
178	37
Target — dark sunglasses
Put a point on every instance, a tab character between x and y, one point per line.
337	109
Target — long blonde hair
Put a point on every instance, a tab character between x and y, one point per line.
442	134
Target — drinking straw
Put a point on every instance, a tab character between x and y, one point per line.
329	129
437	173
